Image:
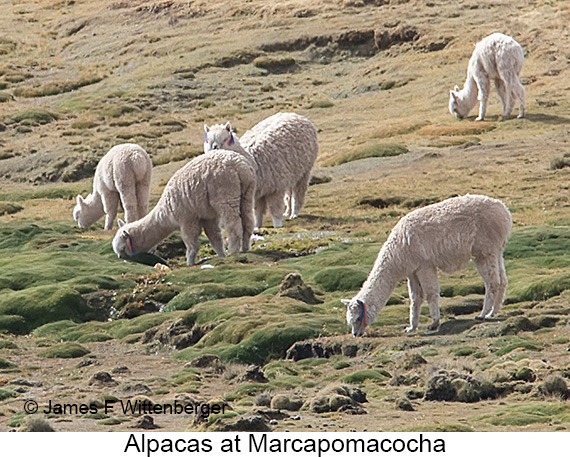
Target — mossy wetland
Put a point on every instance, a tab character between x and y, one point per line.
78	325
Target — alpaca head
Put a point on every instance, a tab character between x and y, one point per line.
86	211
457	105
356	315
219	137
123	242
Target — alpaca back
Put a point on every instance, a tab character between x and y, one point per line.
448	233
495	55
284	147
205	184
126	162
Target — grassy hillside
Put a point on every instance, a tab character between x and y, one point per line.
78	77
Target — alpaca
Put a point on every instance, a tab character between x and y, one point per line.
441	236
210	189
497	57
284	148
123	173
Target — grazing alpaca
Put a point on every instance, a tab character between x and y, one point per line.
210	189
441	236
123	173
284	148
499	58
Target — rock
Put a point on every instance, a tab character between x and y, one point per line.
102	378
120	370
385	39
514	325
312	349
132	390
452	386
253	374
26	383
404	404
206	361
145	422
286	402
294	287
243	424
338	397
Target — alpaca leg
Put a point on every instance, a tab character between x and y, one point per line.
260	206
430	286
416	298
190	232
483	86
298	196
519	92
488	268
287	201
246	213
214	233
231	220
110	205
502	288
505	96
275	206
143	195
127	192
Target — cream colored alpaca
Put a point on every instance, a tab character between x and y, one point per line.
210	189
122	174
442	236
283	148
496	58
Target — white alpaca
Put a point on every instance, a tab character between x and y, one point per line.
441	236
284	148
208	189
497	57
123	173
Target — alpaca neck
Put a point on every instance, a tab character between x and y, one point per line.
379	285
469	92
151	230
94	205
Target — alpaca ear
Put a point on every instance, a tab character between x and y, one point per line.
228	126
79	200
206	128
345	301
121	223
456	88
453	94
125	234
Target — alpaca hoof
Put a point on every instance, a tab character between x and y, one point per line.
478	119
409	329
480	317
433	325
520	116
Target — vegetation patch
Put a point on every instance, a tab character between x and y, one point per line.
57	87
367	151
34	116
64	351
340	278
9	208
275	64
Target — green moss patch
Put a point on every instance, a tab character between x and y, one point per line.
64	351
